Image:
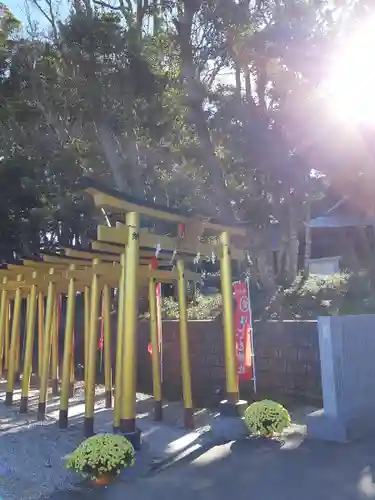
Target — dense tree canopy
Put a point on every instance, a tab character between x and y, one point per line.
207	104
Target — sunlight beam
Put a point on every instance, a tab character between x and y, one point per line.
350	87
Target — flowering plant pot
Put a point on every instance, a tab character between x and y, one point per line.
266	418
104	479
101	457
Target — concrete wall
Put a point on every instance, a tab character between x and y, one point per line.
325	266
347	350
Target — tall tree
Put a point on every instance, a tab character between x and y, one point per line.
206	104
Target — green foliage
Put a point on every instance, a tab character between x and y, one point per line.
102	453
339	294
266	418
205	307
138	100
9	24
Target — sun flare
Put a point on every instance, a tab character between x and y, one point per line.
350	86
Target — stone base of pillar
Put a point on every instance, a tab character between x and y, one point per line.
230	409
55	387
189	418
23	404
63	419
88	427
9	398
41	414
134	437
158	411
108	399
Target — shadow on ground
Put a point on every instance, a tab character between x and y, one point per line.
253	468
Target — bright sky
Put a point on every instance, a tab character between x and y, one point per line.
17	7
352	77
351	83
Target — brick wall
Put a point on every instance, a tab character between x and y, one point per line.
286	357
287	360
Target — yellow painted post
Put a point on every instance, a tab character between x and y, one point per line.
43	383
3	314
19	349
67	356
92	354
127	421
14	343
7	335
184	349
119	347
107	346
55	348
228	319
40	331
29	346
86	330
155	356
72	371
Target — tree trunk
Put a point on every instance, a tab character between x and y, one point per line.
238	82
110	149
265	270
307	256
291	263
291	257
195	96
261	257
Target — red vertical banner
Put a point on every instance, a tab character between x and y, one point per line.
242	323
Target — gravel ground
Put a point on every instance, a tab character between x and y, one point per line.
33	453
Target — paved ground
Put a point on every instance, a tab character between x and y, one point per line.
257	470
243	469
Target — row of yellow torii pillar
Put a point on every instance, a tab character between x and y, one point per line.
121	258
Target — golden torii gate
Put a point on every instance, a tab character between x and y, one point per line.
121	257
63	274
188	243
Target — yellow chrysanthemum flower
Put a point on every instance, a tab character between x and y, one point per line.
102	453
266	418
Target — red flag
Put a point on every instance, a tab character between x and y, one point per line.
242	323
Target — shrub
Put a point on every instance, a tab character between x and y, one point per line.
338	294
266	418
102	454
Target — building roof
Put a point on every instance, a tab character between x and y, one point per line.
342	214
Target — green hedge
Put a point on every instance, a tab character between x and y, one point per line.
339	294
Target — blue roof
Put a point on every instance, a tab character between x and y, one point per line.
342	214
342	221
